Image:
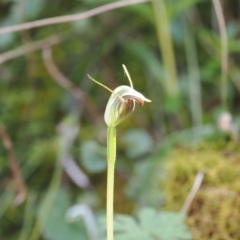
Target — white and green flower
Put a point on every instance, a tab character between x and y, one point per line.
122	102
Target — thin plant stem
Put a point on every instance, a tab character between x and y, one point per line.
166	46
196	185
22	189
6	199
47	205
212	50
194	76
27	218
111	157
47	202
224	51
163	26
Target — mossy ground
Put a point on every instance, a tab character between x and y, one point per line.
215	210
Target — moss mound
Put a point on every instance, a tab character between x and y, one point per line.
215	210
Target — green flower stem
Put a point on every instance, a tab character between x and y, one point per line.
111	156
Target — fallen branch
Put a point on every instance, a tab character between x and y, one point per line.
69	18
14	167
193	192
4	57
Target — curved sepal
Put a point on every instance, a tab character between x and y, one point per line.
119	109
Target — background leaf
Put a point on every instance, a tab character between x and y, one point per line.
151	225
57	228
138	142
93	156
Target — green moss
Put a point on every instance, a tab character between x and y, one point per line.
215	210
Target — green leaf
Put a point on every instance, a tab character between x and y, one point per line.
126	228
33	7
171	103
93	156
143	180
151	225
166	225
147	57
138	142
57	228
6	199
181	6
143	10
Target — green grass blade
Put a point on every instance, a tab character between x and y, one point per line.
166	47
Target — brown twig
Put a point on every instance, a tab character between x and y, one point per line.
4	57
69	18
212	51
14	167
65	83
193	192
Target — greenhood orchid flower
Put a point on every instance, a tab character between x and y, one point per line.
120	105
122	102
118	108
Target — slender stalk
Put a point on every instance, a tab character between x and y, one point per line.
22	190
111	156
116	111
166	45
194	76
47	202
196	185
224	51
27	218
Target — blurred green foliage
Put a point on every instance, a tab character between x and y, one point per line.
48	125
151	225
